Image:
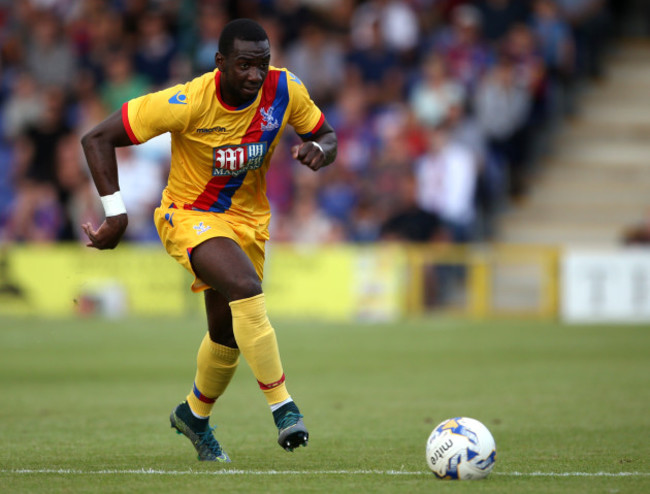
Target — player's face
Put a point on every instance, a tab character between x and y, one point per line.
243	71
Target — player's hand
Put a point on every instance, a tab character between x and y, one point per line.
108	235
309	154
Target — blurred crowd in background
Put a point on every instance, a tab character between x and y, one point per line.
442	107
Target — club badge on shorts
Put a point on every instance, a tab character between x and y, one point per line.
201	228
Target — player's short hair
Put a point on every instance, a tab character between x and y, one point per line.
243	29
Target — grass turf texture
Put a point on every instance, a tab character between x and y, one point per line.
86	403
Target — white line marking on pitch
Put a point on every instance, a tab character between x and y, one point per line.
151	471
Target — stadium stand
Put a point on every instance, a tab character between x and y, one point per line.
564	57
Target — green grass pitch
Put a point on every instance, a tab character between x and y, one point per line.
85	406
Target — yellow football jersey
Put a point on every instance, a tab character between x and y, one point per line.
220	154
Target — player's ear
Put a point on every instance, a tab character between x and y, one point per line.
218	61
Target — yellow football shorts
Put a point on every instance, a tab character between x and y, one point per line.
182	230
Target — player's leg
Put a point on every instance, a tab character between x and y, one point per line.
221	263
217	358
217	361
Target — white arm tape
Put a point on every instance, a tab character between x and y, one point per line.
319	147
113	204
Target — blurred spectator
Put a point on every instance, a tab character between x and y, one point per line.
520	45
356	140
375	66
87	109
103	35
394	158
77	196
364	224
502	107
308	225
435	93
275	32
498	17
318	61
132	11
554	37
463	47
399	26
121	83
155	49
49	57
141	182
288	16
157	150
588	21
16	31
37	213
557	51
23	107
394	21
211	20
410	222
338	193
446	178
465	130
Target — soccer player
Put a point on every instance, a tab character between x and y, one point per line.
214	214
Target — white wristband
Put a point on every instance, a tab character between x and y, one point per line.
113	204
319	147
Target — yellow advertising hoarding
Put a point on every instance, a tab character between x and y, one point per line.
58	280
337	283
341	282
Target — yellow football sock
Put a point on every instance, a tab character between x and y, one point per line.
216	364
256	339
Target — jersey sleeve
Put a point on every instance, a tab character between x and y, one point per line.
305	117
153	114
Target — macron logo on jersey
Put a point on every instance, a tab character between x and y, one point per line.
178	99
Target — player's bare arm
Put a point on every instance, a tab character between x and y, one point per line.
319	151
99	148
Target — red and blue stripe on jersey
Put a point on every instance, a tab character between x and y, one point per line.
219	191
